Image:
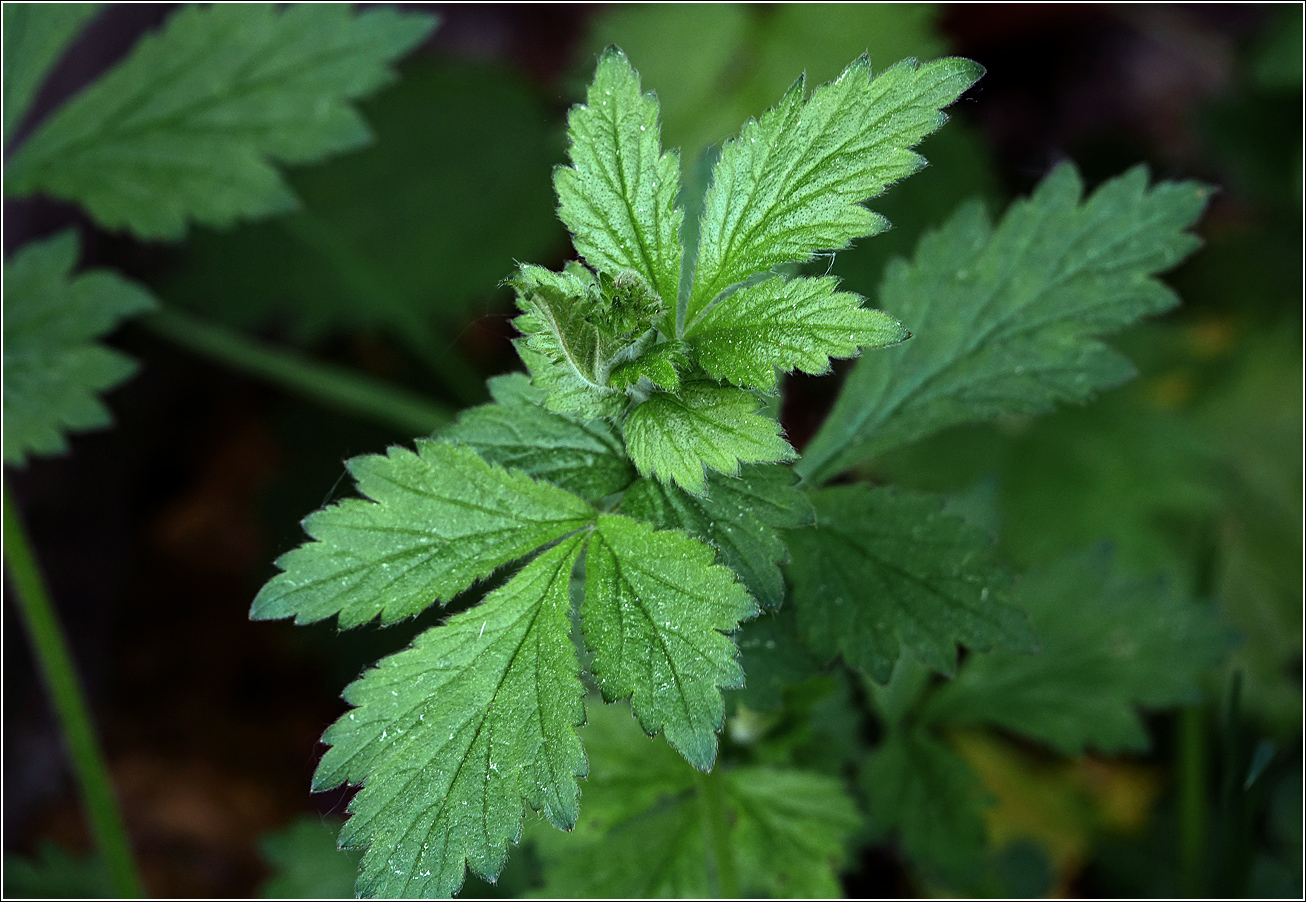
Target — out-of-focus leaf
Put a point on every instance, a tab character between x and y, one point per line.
422	226
35	36
56	873
306	863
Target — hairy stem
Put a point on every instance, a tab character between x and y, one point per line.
714	808
70	705
334	386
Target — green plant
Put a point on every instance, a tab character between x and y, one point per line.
639	471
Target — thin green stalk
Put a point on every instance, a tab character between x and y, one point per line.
70	704
1193	807
714	808
331	385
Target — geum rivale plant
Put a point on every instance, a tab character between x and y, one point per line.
641	480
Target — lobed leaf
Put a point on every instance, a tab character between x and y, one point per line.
786	325
586	458
656	614
618	196
738	516
451	736
1110	644
189	125
1007	319
54	367
36	35
430	524
675	436
792	183
884	570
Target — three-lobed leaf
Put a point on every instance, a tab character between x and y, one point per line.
431	524
452	736
886	570
189	126
54	367
793	182
1007	317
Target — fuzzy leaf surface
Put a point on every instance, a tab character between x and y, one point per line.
675	436
656	614
1111	644
885	570
585	458
54	367
1007	319
451	736
793	182
35	37
618	196
786	325
429	525
189	126
738	516
644	827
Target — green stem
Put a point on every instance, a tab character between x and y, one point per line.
70	705
331	385
1193	813
714	810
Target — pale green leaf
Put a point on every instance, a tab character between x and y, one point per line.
1110	645
36	35
188	127
54	367
738	516
675	436
1006	319
655	615
567	393
586	458
661	365
786	325
450	737
645	826
884	571
793	182
618	196
430	524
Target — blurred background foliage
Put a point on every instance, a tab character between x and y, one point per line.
393	266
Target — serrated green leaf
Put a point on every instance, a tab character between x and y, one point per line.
1006	319
618	196
567	393
306	863
793	182
738	516
1110	644
188	127
644	829
661	365
786	325
430	524
883	570
586	458
921	789
35	37
655	615
675	436
450	737
53	366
